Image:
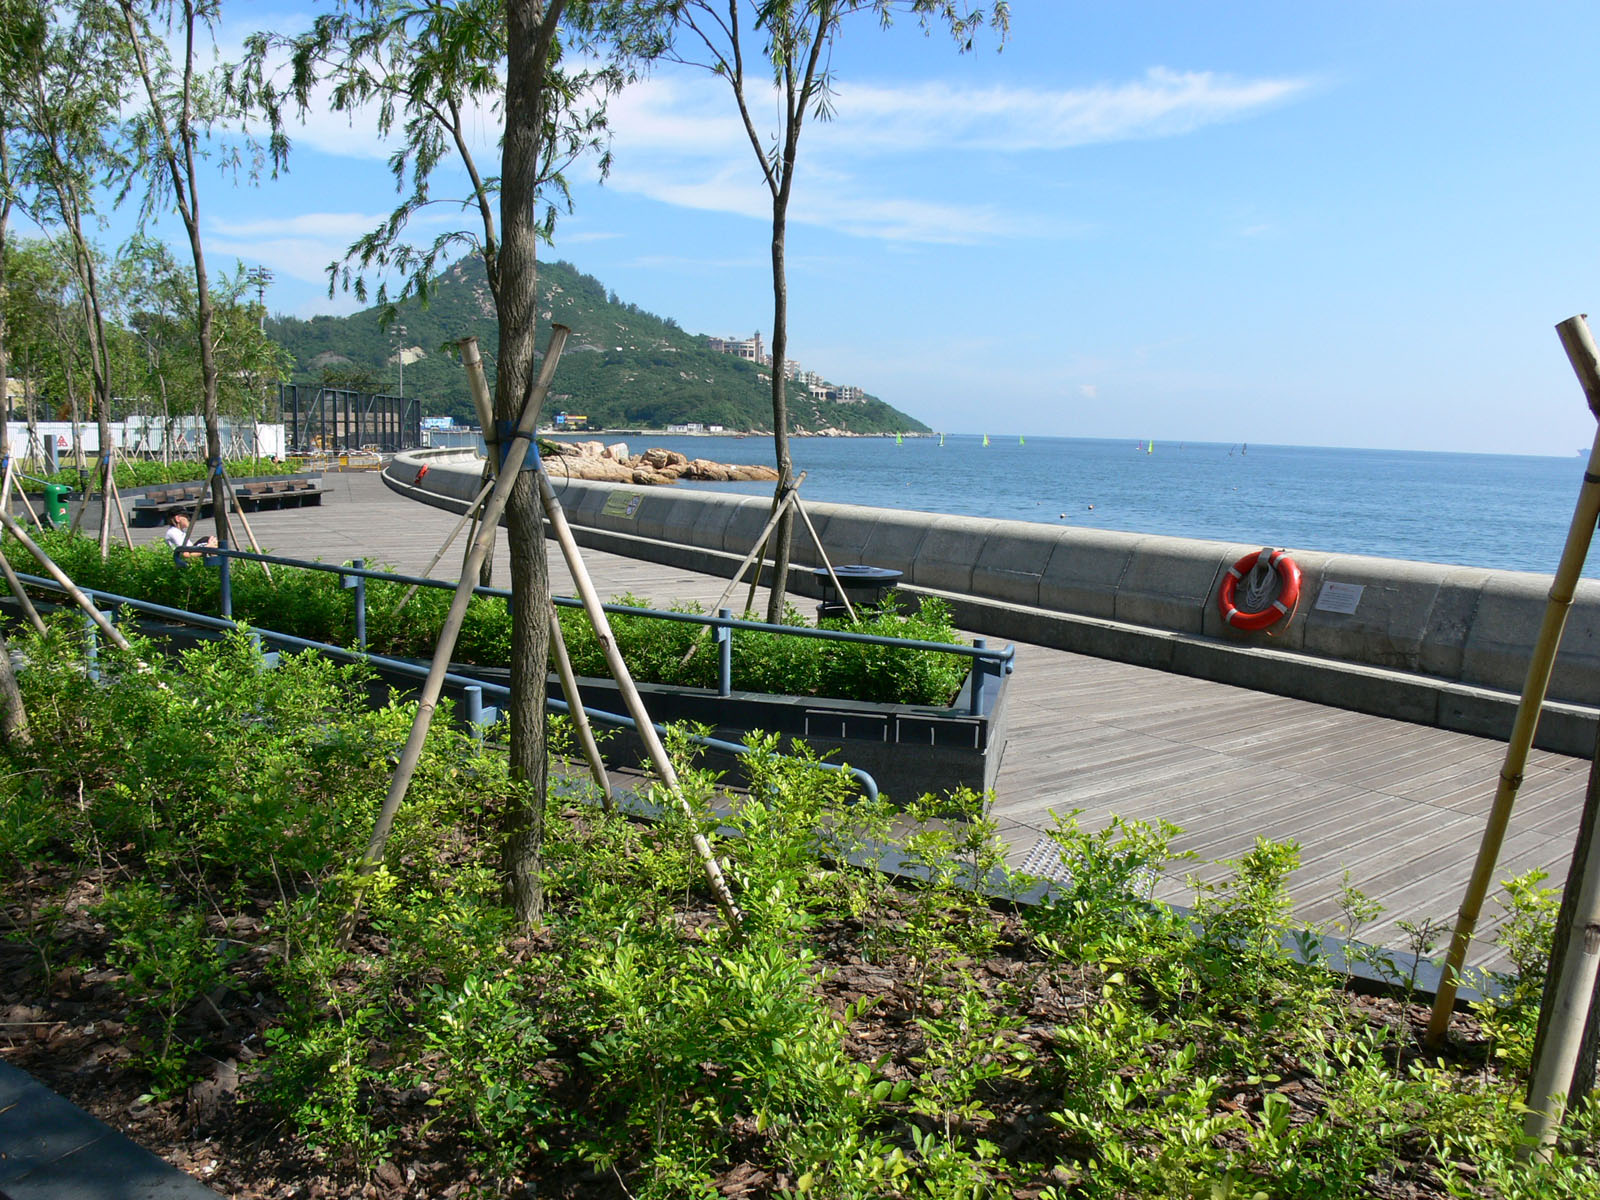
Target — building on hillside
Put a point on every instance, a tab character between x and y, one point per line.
748	348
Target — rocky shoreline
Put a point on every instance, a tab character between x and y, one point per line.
613	464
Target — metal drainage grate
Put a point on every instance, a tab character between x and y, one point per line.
1043	861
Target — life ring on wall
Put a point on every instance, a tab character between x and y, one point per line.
1279	568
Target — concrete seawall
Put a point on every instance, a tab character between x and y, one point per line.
1440	645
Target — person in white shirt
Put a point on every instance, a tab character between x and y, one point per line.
177	528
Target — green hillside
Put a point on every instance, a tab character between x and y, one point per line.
623	367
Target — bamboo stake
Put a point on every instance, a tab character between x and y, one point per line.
580	719
483	404
82	601
1580	348
5	492
1558	1056
122	517
469	515
429	699
630	696
758	551
838	588
21	593
250	534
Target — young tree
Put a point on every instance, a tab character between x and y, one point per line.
181	104
794	40
19	30
42	335
426	68
62	115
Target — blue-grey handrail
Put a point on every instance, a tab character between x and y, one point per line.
869	785
1001	658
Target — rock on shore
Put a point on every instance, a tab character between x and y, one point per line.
613	464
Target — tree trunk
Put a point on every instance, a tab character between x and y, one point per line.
530	29
783	534
14	718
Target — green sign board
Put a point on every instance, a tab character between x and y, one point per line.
623	504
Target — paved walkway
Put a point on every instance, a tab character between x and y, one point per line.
1400	806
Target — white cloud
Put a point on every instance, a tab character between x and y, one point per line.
1088	390
1164	103
679	140
691	116
343	225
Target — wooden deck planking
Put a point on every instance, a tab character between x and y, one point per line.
1401	805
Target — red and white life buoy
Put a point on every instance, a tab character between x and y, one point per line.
1278	565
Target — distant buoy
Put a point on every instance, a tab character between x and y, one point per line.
1063	516
1091	508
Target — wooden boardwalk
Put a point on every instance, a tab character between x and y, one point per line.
1400	806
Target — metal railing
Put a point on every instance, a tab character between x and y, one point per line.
986	663
478	715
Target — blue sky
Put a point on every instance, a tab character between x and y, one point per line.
1347	225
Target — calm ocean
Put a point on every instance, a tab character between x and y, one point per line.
1485	510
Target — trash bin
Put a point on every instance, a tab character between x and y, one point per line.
865	585
56	496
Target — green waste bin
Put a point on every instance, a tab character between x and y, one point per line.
55	504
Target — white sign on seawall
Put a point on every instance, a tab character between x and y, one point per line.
1339	597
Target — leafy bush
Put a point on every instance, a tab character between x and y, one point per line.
206	811
314	605
136	472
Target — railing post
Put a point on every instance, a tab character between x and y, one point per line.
980	673
473	697
724	655
359	583
227	582
267	658
91	650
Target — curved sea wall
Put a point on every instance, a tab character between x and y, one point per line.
1427	642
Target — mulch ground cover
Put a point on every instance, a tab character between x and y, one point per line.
69	1029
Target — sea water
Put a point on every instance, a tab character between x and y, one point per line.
1485	510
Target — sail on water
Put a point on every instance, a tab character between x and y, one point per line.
986	439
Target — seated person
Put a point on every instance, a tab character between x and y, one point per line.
177	528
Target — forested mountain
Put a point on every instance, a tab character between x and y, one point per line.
622	368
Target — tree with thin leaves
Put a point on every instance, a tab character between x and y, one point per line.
181	103
431	72
64	118
794	39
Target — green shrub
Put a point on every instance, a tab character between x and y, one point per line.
135	472
314	605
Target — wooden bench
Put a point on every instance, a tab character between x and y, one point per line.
155	506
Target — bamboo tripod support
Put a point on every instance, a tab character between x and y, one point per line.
5	494
1580	348
17	590
470	515
580	719
60	576
1556	1059
630	695
250	534
428	701
478	385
